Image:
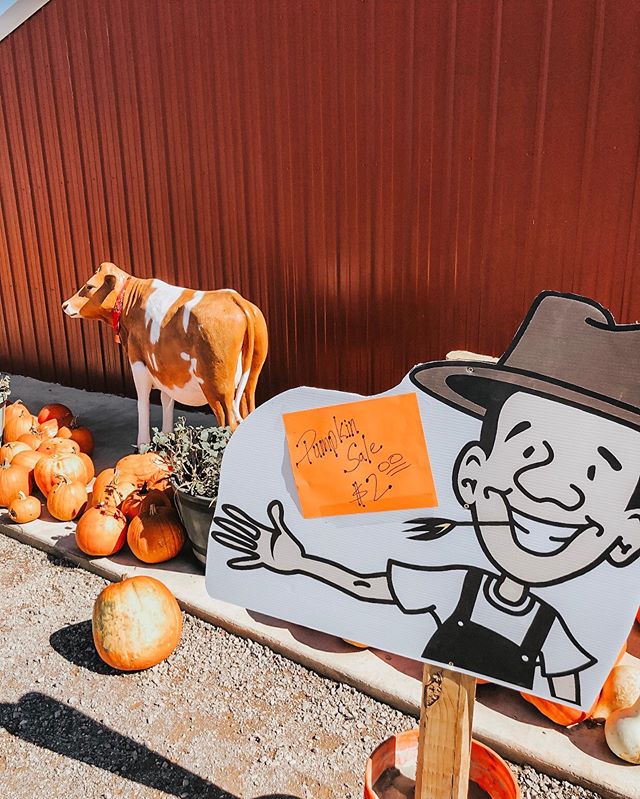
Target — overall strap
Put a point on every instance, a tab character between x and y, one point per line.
537	634
470	589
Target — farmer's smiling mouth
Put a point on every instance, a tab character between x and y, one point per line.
544	538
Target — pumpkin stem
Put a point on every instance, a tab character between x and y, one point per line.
21	495
152	510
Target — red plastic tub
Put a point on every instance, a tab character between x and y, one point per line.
488	770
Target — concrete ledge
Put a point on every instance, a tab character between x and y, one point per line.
502	720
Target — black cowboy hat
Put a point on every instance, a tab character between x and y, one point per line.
568	348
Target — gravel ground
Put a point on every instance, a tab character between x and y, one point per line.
222	718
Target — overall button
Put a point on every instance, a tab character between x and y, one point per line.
460	623
525	658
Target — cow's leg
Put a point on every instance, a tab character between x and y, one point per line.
143	384
167	412
221	404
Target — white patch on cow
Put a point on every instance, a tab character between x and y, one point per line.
188	307
154	362
189	394
143	382
185	356
233	291
240	384
160	299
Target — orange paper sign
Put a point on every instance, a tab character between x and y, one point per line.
360	457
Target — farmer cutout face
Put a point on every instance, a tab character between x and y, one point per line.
563	483
552	486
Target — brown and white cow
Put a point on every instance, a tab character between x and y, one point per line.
196	347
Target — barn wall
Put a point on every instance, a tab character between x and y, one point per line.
387	180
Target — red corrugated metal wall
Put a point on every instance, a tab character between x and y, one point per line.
387	179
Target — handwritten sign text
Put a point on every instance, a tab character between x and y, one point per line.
360	457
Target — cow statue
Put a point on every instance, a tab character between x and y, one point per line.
196	347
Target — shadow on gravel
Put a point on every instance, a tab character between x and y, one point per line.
47	723
75	644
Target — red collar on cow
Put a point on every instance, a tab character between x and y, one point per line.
117	311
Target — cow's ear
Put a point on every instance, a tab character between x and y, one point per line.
110	282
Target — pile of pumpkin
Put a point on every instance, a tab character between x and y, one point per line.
130	503
50	450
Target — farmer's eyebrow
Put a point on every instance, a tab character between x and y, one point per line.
610	458
516	430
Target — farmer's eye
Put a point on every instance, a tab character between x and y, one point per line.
591	472
528	452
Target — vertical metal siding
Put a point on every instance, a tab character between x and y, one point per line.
387	179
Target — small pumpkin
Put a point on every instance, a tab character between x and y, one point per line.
28	458
18	423
16	408
622	733
136	623
33	438
83	438
133	503
49	429
48	470
59	446
9	450
25	509
621	689
57	411
155	535
111	487
89	467
67	499
101	531
144	467
13	479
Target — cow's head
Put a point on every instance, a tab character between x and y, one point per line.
96	299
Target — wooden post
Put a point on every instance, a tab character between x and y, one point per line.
444	743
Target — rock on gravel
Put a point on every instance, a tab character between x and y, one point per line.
222	718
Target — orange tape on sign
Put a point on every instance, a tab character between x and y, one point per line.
360	457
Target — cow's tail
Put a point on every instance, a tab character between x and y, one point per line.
251	358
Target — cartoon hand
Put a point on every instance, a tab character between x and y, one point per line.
274	547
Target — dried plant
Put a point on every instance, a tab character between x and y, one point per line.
194	455
5	386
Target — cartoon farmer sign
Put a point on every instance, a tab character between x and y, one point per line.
536	463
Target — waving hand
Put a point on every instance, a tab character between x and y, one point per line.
271	545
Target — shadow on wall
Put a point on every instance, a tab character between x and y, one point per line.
51	725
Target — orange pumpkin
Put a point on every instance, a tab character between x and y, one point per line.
49	429
25	509
101	530
18	423
90	468
16	408
57	411
9	450
59	446
67	499
112	487
83	438
561	714
33	438
64	432
28	458
50	468
132	504
13	479
136	623
155	535
144	467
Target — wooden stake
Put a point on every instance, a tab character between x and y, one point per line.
444	743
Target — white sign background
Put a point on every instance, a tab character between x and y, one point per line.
598	607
